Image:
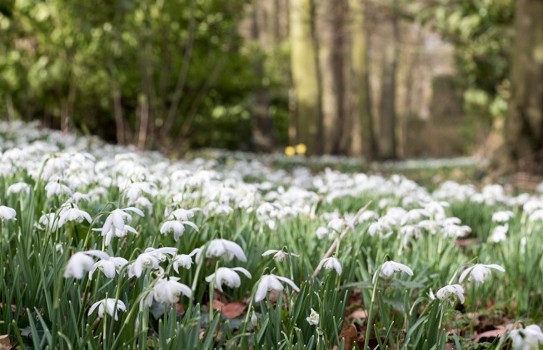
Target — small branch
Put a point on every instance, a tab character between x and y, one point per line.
335	245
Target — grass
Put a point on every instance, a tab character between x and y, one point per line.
44	303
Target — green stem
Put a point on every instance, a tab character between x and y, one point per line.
370	315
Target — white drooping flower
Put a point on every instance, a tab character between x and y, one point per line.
225	249
7	213
499	234
451	292
313	318
502	217
478	273
109	306
116	223
330	263
109	266
81	262
228	277
18	187
380	228
72	213
279	255
176	227
528	338
168	290
55	188
272	282
389	268
183	214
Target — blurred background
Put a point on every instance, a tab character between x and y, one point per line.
382	79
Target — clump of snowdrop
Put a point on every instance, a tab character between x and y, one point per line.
478	273
227	276
272	282
330	263
108	305
528	338
451	292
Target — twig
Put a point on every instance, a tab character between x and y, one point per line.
334	245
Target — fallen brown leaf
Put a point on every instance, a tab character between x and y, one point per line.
4	342
349	333
233	310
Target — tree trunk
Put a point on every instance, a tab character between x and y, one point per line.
305	75
262	126
363	134
387	147
524	130
330	15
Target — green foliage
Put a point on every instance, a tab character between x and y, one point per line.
481	32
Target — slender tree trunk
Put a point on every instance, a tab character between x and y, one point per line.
387	148
118	113
143	111
360	107
262	126
524	128
331	36
305	74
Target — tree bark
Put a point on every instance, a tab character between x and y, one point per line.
524	127
335	121
305	74
262	126
363	133
387	147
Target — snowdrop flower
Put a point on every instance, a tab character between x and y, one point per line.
379	228
388	268
499	234
478	273
272	282
182	260
109	306
57	189
109	266
502	216
313	318
143	261
183	214
278	255
451	292
168	290
7	213
225	249
330	263
336	224
322	232
176	227
528	338
81	262
18	187
227	276
72	214
115	223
